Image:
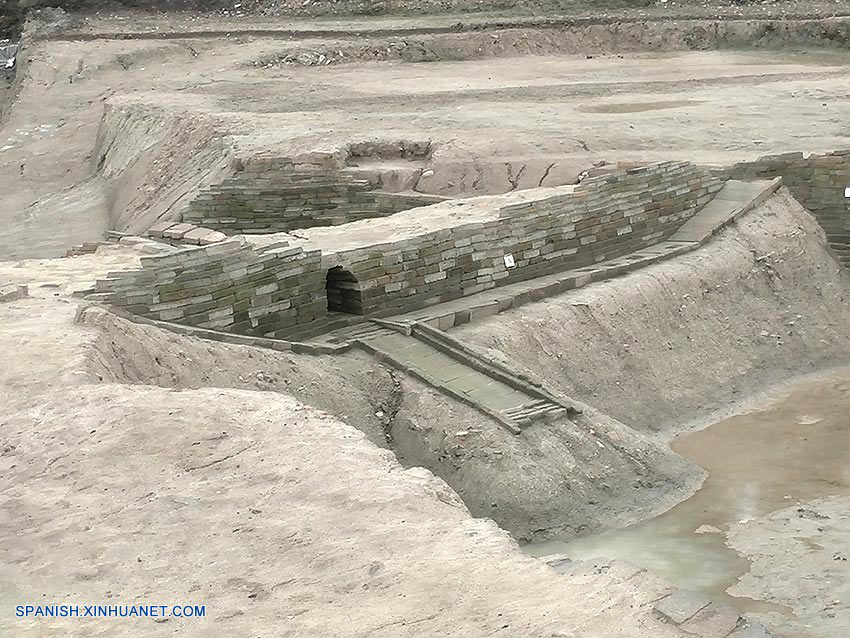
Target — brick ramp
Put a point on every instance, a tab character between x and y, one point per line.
361	331
457	371
735	198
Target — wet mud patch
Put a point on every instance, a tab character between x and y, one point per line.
637	107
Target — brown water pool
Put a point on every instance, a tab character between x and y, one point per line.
790	449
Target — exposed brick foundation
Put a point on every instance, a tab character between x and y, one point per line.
273	292
817	182
604	217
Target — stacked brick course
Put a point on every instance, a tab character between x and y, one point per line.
181	234
603	218
86	248
412	259
817	182
274	292
266	199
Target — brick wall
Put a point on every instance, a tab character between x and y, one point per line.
267	199
412	259
817	182
275	292
605	217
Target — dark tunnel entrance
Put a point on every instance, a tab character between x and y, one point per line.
343	292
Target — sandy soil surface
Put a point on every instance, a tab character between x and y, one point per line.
43	323
800	558
280	519
700	106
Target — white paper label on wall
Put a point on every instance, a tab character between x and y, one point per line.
847	192
509	261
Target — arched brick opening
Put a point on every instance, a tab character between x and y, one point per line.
343	292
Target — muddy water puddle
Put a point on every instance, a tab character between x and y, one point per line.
793	449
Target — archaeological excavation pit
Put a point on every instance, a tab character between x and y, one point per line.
437	324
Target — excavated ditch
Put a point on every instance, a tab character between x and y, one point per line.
555	479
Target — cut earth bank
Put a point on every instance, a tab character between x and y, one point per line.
764	301
576	475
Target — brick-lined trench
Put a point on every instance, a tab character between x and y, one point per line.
412	259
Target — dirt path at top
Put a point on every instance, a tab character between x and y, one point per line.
422	16
216	30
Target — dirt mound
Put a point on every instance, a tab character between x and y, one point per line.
274	516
